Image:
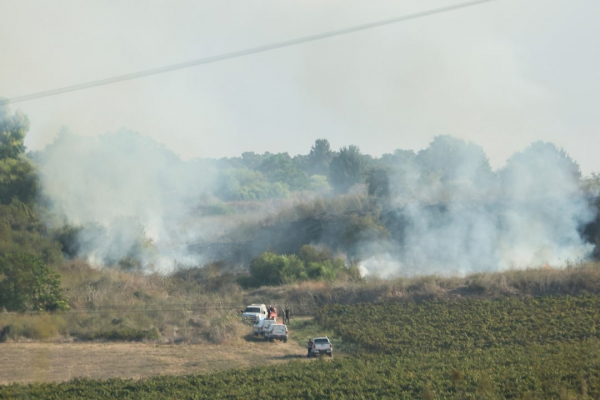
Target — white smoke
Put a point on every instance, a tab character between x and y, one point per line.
136	201
463	218
132	197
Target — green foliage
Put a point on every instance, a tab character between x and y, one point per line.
26	283
17	176
124	334
280	168
319	157
400	159
21	231
216	209
362	228
67	236
247	185
454	159
378	183
13	129
346	168
270	269
17	180
319	183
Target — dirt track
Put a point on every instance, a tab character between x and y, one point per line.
53	362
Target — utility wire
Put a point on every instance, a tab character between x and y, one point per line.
240	53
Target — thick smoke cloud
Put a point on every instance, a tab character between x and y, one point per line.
132	197
460	217
448	212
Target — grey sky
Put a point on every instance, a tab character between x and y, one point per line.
501	74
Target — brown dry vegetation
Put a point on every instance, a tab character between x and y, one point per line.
305	297
202	306
52	362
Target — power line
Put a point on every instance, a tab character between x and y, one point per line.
236	54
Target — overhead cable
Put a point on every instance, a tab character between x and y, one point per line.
237	54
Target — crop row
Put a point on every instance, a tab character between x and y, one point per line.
568	370
464	324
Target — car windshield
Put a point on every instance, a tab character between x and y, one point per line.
252	309
322	340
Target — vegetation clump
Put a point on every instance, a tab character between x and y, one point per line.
270	269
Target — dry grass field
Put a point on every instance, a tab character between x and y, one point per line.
55	362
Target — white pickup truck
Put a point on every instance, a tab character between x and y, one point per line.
261	326
277	331
320	345
254	313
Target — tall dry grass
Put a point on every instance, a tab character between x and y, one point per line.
306	297
204	305
112	304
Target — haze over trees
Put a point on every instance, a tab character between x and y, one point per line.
439	210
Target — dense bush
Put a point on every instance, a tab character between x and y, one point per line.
271	269
124	334
26	283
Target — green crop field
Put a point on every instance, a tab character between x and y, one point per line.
464	325
534	348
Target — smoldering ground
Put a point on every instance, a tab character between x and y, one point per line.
447	211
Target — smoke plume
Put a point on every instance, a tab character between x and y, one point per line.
136	204
461	217
130	197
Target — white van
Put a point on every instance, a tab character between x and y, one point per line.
277	331
261	326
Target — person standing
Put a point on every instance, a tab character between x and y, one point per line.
286	316
309	345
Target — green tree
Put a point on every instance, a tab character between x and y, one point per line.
270	269
252	160
21	231
400	159
310	254
319	157
26	283
17	175
378	183
453	159
346	168
13	129
247	185
281	168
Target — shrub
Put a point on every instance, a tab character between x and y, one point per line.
270	269
26	283
124	334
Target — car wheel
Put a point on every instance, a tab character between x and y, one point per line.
330	354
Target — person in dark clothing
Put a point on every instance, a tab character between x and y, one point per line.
286	316
309	345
